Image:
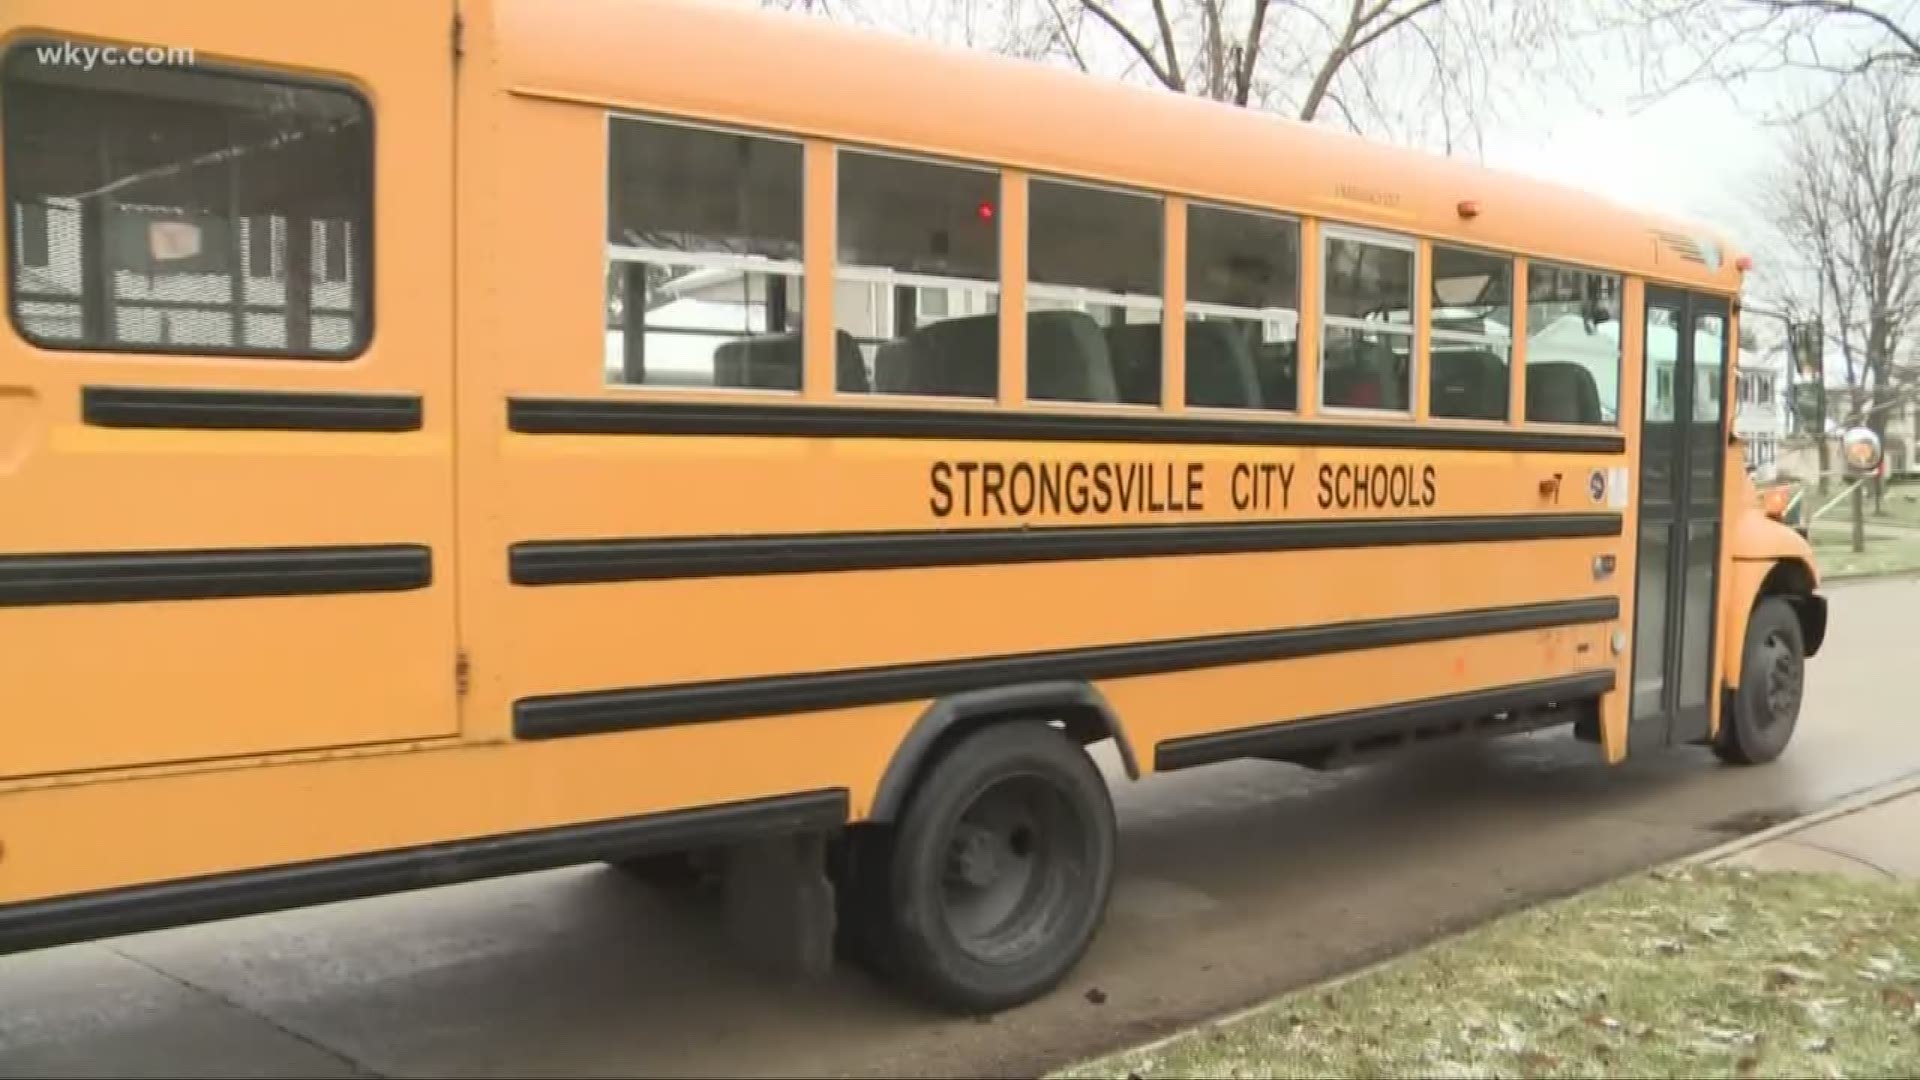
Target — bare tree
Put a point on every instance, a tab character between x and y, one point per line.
1228	51
1417	71
1846	200
1681	43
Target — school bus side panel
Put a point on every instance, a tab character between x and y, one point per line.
175	585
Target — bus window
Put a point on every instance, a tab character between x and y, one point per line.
1472	322
1093	294
186	211
703	257
1366	345
917	277
1243	309
1573	345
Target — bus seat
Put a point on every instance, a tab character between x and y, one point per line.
777	361
1136	350
1067	358
1370	377
850	369
951	358
1562	392
770	362
1220	371
1469	384
1277	367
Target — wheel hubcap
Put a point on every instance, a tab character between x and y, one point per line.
1008	868
1783	680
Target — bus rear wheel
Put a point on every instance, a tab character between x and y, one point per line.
1760	723
996	877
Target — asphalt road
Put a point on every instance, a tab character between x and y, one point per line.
1236	882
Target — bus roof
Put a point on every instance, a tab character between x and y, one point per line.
812	77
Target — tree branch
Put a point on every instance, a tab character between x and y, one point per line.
1323	79
1390	25
1908	39
1166	38
1172	80
1066	36
1243	79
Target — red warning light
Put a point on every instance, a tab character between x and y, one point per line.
985	210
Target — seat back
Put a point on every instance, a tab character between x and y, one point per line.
777	361
1362	376
1067	358
952	358
1468	384
1220	369
1563	392
1277	367
1135	351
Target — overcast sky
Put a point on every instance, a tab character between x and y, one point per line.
1697	154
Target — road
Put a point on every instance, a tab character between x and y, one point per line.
1236	882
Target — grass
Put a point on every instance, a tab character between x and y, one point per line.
1706	972
1901	505
1833	550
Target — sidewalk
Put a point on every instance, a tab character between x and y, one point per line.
1875	835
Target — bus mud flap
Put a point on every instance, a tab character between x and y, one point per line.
779	904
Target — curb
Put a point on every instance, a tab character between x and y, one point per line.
1858	801
1860	576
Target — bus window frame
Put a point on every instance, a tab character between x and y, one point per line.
1513	343
724	260
1331	230
1083	294
1188	306
367	262
888	277
1621	314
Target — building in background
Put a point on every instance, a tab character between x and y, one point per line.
1760	409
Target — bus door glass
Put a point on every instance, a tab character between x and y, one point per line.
1682	432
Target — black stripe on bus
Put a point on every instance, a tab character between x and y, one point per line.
597	416
1313	739
596	712
120	576
258	410
564	562
39	924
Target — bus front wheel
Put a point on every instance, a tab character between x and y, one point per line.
990	887
1763	713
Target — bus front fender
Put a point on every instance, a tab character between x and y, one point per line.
1077	706
1770	559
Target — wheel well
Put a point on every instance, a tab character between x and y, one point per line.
1075	707
1792	581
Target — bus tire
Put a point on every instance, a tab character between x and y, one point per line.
998	871
1760	719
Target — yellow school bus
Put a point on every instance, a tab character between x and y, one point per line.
465	437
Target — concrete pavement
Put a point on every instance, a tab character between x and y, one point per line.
1236	883
1877	838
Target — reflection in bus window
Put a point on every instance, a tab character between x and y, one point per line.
165	210
703	258
916	282
1709	365
1472	329
1093	294
1573	345
1243	309
1366	351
